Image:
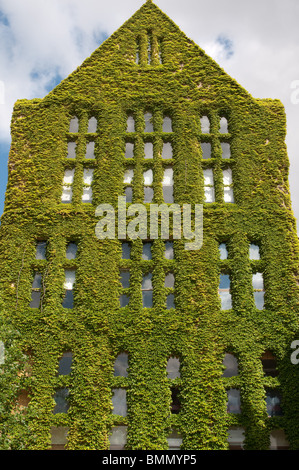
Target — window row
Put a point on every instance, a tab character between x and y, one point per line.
225	295
68	181
147	247
149	49
148	190
146	289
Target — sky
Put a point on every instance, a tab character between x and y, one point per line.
256	42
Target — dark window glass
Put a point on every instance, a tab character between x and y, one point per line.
41	249
269	364
273	402
68	301
126	250
65	364
234	401
61	400
175	404
35	299
147	251
124	300
121	365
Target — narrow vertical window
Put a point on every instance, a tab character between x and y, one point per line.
160	52
61	401
2	353
90	150
129	151
254	252
41	250
65	363
147	251
167	124
147	291
87	182
130	124
92	125
119	401
231	365
223	126
169	283
125	250
169	252
273	403
36	291
225	150
125	283
175	400
233	401
68	180
74	125
70	277
173	368
223	251
224	292
149	49
209	190
128	180
118	438
175	441
148	150
205	125
148	122
258	290
71	149
206	150
148	190
167	152
227	185
71	250
121	365
269	364
167	185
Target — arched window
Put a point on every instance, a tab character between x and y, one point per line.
173	368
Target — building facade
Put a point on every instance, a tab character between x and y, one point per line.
131	340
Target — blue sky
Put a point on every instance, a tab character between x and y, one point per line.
256	42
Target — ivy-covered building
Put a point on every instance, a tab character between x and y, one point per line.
137	342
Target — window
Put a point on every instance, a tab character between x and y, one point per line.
223	251
174	441
71	149
68	180
169	252
149	49
118	438
254	252
119	401
269	364
167	124
273	403
225	149
224	292
148	122
70	277
223	126
278	440
148	190
205	125
61	400
231	365
209	185
36	291
175	400
167	185
206	150
71	250
41	250
128	180
129	152
87	182
167	152
236	436
90	150
74	125
233	401
169	284
147	291
125	250
121	365
147	251
173	368
92	125
65	363
130	124
227	185
59	437
258	290
148	150
125	283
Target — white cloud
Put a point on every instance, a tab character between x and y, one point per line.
48	39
